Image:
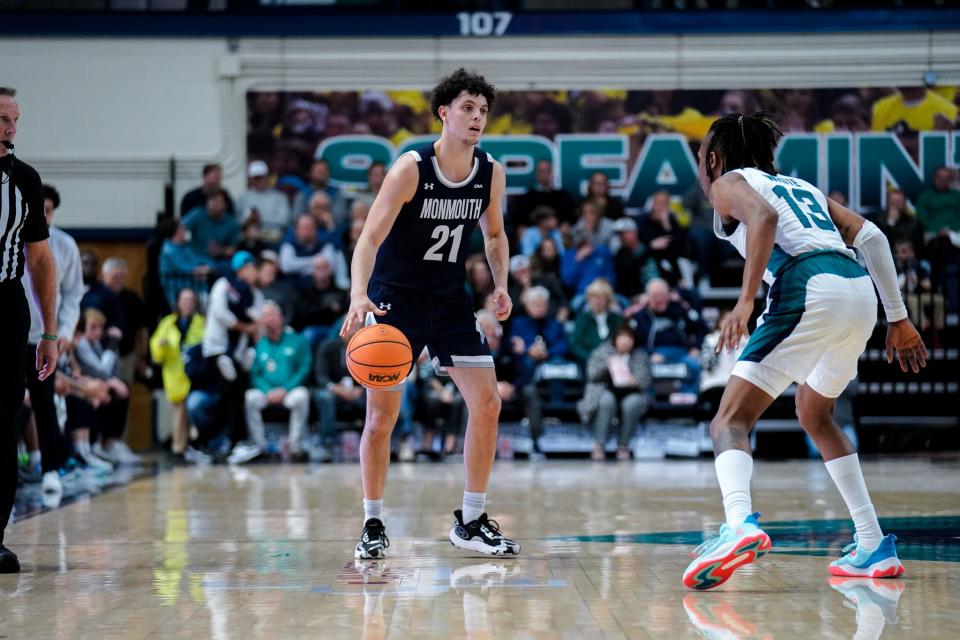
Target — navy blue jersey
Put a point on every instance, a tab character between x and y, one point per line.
426	249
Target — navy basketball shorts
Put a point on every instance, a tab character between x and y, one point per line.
445	324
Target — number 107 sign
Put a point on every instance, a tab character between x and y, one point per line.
484	23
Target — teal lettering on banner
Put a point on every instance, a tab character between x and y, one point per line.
350	156
519	156
582	155
859	165
799	156
665	162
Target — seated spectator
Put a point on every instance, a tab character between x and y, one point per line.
594	225
617	373
916	286
897	222
522	278
546	261
376	174
337	395
512	377
96	294
631	263
269	205
670	330
359	210
203	406
84	396
938	210
278	377
598	193
536	338
251	235
583	264
176	333
213	233
544	221
318	181
543	194
595	323
661	232
479	280
133	339
537	335
279	290
319	302
212	177
101	361
320	209
351	236
444	409
181	266
297	254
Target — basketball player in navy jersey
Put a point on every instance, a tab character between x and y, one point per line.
408	271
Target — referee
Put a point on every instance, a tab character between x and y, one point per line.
22	222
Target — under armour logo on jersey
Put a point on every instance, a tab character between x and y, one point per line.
428	186
478	186
385	306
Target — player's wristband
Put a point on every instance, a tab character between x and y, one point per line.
52	337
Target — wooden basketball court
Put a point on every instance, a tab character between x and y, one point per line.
266	551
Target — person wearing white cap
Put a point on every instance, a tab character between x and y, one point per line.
270	205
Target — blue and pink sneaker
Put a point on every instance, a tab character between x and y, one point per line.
882	562
718	558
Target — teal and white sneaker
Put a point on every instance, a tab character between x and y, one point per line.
718	558
882	562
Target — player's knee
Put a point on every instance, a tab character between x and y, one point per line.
811	416
726	422
487	407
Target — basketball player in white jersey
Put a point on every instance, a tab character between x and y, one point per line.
821	310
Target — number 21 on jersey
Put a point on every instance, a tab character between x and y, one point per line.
814	211
442	233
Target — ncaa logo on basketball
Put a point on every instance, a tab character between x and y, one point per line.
378	377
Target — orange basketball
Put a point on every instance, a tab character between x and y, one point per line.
379	356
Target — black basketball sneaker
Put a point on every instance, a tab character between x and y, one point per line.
373	541
8	561
482	535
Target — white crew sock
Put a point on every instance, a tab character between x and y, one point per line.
373	509
848	477
473	506
34	458
734	470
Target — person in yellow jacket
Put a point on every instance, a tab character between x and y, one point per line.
175	333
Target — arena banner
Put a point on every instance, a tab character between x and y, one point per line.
858	142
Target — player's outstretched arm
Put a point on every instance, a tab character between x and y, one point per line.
861	234
399	187
733	197
495	243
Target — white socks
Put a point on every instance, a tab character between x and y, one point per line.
373	509
848	477
734	470
35	459
473	506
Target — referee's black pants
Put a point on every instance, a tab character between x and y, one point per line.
45	413
13	339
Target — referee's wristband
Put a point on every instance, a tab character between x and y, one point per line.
48	336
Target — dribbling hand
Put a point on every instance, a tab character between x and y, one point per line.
357	314
903	339
504	304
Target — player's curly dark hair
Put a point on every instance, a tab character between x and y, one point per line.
50	193
744	141
456	83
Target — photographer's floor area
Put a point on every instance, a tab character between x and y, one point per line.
266	551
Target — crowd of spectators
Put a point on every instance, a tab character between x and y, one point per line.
607	298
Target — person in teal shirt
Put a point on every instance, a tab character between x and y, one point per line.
277	378
213	232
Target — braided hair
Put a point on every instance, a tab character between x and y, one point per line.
745	141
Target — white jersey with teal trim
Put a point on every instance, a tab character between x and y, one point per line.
804	222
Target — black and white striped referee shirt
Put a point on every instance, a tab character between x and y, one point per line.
21	214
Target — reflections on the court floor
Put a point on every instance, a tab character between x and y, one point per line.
875	601
729	616
714	616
